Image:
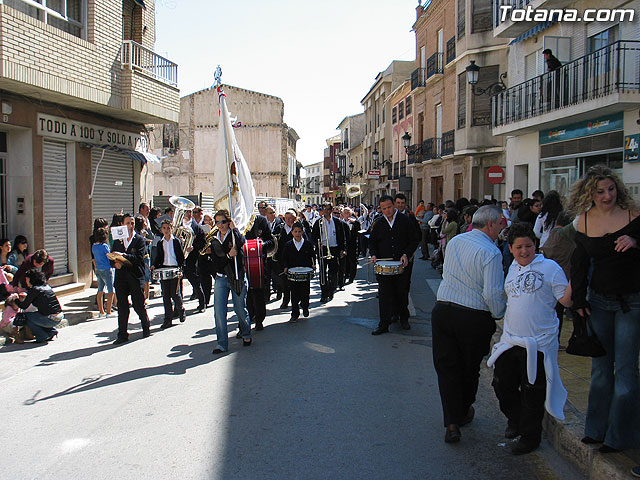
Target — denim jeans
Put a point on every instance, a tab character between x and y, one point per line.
613	414
41	325
221	290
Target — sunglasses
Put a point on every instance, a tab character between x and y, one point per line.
222	222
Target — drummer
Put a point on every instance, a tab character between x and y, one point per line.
298	252
392	238
170	255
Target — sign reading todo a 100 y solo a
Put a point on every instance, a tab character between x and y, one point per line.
73	130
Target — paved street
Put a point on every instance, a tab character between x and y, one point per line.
317	399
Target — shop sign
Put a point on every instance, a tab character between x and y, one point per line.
373	174
631	143
608	123
75	131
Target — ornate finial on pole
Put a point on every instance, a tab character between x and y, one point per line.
217	77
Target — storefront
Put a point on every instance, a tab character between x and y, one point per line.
567	152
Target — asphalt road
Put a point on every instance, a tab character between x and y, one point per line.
318	399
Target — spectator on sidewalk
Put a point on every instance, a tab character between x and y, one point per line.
5	251
551	208
104	270
607	239
470	298
526	377
19	252
38	260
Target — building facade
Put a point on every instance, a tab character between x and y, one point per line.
351	133
312	184
557	124
452	145
267	144
330	175
79	81
401	178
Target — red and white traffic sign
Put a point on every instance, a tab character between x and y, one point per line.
495	174
373	173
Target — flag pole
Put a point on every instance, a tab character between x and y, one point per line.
223	120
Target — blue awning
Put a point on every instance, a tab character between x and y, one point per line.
142	157
141	3
533	31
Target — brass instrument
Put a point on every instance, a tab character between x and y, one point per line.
326	236
208	239
323	258
353	190
182	233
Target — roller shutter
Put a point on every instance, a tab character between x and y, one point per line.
55	205
113	191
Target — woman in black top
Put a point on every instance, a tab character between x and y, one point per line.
43	322
607	239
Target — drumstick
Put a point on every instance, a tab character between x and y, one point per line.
377	260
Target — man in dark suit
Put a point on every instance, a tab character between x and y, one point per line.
283	233
256	297
326	227
129	280
342	261
392	236
191	263
400	202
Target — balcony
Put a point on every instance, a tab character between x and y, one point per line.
451	50
510	29
140	59
606	80
431	149
417	79
448	143
414	154
434	64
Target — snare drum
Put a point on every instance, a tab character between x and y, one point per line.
166	273
388	267
300	274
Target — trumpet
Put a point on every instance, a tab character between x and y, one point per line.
326	238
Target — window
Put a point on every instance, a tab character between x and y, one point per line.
481	16
560	46
481	104
602	39
384	114
462	100
67	15
407	107
394	115
461	14
401	110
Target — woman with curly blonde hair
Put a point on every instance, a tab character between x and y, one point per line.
607	237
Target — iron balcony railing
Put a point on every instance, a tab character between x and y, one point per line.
611	69
414	154
432	148
141	59
417	78
434	64
497	13
451	49
448	142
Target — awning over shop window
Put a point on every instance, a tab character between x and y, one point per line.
533	31
142	157
141	3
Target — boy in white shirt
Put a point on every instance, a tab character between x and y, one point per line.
526	377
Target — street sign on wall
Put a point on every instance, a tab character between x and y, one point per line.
495	174
373	174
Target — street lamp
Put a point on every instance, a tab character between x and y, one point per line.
350	170
406	139
376	156
473	72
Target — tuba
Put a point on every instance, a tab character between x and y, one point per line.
353	190
182	233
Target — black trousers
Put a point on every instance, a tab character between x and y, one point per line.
256	305
171	292
342	270
424	242
521	402
364	244
300	292
393	298
206	283
280	280
329	268
461	339
352	264
127	285
191	273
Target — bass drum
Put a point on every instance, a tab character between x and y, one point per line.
254	262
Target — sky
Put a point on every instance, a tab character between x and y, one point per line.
320	57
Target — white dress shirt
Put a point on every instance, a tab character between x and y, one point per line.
298	244
170	259
127	241
392	221
331	232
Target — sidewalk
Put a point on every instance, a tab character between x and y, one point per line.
565	436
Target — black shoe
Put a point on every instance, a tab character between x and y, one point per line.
283	306
405	324
218	350
146	334
293	319
305	312
201	309
511	431
166	324
193	297
278	296
590	441
247	343
522	446
469	418
238	335
183	316
259	326
120	341
452	434
380	331
608	449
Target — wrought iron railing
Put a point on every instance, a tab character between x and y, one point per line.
448	142
451	50
434	64
141	59
432	148
417	78
611	69
497	13
414	154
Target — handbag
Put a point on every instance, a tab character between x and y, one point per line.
20	320
582	342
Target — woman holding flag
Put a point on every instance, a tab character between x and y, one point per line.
228	266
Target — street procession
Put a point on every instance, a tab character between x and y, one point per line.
434	275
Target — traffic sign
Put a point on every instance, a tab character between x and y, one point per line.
495	174
373	173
